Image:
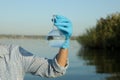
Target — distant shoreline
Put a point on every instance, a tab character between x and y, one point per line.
22	36
9	36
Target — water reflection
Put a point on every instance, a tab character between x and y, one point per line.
105	61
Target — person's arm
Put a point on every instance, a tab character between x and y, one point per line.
49	67
62	57
65	26
42	66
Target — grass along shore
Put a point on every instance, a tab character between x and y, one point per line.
104	35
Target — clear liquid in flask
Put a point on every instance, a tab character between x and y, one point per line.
55	38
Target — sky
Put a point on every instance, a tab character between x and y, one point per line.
33	17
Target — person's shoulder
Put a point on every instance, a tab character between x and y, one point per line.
7	48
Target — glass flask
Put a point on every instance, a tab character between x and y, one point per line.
55	37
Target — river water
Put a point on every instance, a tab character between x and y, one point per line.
83	64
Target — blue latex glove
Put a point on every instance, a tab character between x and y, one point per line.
65	26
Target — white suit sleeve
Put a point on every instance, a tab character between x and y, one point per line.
41	66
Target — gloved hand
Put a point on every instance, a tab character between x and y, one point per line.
65	26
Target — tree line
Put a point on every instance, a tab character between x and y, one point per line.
104	35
